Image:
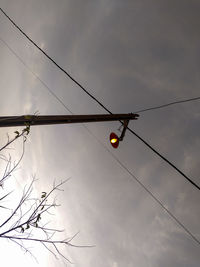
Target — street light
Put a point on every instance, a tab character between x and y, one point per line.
114	139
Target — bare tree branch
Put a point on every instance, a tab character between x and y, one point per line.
25	224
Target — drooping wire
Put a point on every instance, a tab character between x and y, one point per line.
94	98
84	89
164	158
168	104
54	62
105	147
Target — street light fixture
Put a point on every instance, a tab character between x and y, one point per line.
114	139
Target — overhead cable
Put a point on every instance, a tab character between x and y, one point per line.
164	158
168	104
94	98
53	61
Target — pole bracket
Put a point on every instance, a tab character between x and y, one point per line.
125	124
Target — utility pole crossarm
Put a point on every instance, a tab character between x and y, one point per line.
32	120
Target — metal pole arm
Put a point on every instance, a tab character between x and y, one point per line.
9	121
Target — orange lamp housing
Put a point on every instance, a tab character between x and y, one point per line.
114	140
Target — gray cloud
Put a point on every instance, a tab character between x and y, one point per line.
130	55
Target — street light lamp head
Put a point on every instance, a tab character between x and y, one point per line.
114	140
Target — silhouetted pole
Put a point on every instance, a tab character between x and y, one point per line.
33	120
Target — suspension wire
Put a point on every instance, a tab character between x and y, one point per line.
53	61
94	98
168	104
164	158
181	225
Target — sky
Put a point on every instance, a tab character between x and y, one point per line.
130	55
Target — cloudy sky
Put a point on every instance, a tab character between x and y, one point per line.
130	55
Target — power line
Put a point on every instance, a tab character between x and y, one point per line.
34	74
168	104
84	89
53	61
116	159
94	98
164	158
